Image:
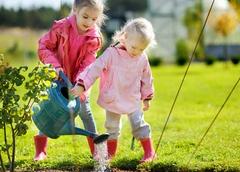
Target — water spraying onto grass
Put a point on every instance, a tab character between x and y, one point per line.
101	163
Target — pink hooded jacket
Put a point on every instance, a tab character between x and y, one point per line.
54	47
124	81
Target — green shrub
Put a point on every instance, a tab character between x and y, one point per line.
155	61
181	61
14	116
200	53
235	59
32	54
13	49
182	52
210	60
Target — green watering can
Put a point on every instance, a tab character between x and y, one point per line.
55	117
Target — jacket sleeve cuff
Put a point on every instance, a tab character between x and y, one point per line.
148	99
81	85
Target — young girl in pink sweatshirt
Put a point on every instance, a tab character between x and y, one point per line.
125	84
70	46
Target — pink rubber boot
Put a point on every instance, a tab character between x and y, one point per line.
41	144
91	145
149	153
112	148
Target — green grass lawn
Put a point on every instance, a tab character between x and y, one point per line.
203	93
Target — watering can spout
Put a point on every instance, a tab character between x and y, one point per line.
70	129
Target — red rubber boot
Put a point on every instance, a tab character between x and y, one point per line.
91	145
112	148
41	144
149	153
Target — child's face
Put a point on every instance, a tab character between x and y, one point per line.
86	18
135	46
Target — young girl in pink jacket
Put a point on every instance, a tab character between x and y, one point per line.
70	46
125	84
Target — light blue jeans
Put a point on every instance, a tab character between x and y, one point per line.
86	116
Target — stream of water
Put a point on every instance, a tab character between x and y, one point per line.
101	163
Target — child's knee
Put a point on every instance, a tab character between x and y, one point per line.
114	136
113	131
142	132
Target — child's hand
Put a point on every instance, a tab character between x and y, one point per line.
57	70
146	105
76	91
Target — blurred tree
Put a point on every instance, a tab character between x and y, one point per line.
225	24
118	12
193	21
122	6
236	6
65	10
42	18
8	17
20	14
37	18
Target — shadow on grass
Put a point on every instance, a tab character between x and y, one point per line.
133	165
45	166
74	166
124	164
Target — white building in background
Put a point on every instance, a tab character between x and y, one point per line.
167	16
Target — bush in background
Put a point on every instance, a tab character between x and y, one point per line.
181	61
182	52
155	61
13	49
235	59
210	60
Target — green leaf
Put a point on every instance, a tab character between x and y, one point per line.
8	70
4	118
19	82
25	68
25	97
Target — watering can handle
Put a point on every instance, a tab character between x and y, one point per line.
65	79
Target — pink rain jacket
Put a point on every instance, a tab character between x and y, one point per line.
56	47
124	81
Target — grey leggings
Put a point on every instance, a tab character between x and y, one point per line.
140	128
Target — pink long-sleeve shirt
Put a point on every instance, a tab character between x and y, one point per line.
124	81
